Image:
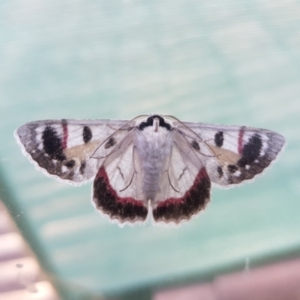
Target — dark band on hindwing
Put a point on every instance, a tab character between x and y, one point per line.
194	200
107	200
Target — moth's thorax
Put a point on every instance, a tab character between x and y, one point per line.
153	145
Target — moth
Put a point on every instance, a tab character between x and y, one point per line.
153	165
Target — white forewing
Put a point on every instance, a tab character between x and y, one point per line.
232	154
65	148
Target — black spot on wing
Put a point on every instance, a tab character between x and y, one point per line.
106	199
53	144
82	167
111	142
219	139
220	171
70	164
87	134
192	202
51	156
149	122
253	161
251	151
232	168
195	145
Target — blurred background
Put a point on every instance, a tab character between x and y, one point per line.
224	61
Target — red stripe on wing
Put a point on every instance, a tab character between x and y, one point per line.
240	141
194	200
65	134
108	201
102	174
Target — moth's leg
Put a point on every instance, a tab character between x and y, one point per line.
189	136
123	144
134	171
117	148
171	182
126	127
167	171
187	153
184	136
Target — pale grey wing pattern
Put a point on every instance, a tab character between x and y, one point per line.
64	148
184	184
232	154
117	189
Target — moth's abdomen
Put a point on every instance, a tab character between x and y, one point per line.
153	165
150	184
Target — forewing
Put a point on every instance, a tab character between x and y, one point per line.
232	154
117	190
66	149
184	184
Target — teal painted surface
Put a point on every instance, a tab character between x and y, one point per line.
231	62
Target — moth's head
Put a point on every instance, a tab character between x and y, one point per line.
155	121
